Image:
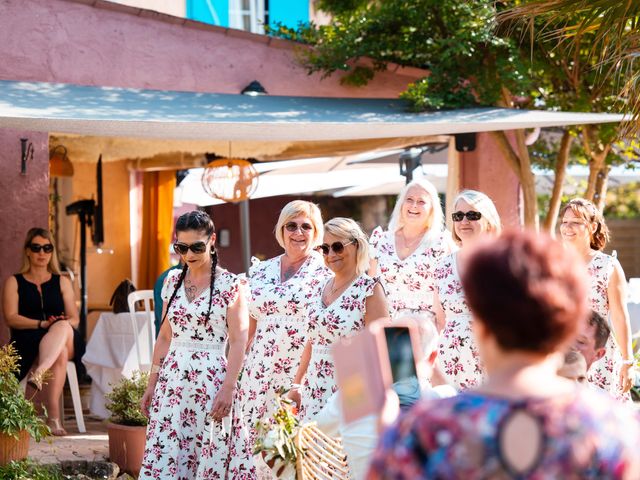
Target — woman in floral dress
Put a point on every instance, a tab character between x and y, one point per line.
405	255
192	384
280	290
343	305
584	229
474	217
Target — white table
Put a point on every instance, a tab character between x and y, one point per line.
111	355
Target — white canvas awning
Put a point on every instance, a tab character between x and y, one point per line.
108	111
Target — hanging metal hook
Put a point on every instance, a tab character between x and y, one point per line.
27	153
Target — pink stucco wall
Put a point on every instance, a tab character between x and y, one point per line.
486	170
24	200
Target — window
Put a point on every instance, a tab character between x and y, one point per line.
249	15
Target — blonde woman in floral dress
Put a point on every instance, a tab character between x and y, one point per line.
281	288
344	304
405	255
583	228
475	216
192	385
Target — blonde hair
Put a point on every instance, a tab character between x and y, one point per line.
53	266
347	229
435	219
587	210
483	204
294	209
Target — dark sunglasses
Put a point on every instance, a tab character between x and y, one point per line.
337	247
36	247
183	248
471	216
293	226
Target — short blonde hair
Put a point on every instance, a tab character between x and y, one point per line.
294	209
347	229
483	204
53	266
435	219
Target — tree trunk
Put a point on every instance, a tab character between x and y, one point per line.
600	195
560	171
521	165
598	168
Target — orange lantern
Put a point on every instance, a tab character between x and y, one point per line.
230	179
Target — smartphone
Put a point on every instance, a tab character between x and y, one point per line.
383	355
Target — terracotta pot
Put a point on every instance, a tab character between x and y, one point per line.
126	446
13	449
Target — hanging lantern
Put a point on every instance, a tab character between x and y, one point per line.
230	179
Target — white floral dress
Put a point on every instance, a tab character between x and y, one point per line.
182	440
409	283
605	372
343	318
280	311
458	356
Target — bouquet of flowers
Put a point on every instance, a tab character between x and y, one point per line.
276	435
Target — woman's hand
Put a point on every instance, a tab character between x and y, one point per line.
295	396
626	377
147	397
222	403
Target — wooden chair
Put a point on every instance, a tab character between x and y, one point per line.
145	296
321	457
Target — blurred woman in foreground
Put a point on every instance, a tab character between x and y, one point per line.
528	296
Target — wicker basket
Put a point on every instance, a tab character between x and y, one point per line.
12	448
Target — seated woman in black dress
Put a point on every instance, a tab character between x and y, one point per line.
40	309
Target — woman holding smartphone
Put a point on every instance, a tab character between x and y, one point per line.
343	305
475	217
39	307
583	228
192	386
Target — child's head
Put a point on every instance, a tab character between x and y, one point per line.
574	367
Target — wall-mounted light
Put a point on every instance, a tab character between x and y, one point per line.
27	153
254	89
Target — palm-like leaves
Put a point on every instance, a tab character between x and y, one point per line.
613	25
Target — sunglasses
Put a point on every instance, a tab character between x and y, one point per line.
183	248
471	216
36	247
337	247
293	226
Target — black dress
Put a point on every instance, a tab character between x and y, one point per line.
38	307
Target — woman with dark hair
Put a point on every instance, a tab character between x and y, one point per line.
528	296
39	307
584	229
192	384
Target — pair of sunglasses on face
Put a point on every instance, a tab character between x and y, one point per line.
471	216
293	227
36	247
183	248
337	247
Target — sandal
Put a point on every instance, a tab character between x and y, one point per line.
37	380
56	428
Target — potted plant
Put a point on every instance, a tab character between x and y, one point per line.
18	417
127	425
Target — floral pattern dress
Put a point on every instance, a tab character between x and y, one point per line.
280	311
583	436
183	442
343	318
409	283
605	372
458	356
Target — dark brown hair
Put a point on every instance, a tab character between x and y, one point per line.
588	211
528	291
602	329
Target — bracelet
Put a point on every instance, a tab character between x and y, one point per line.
628	362
155	368
295	386
39	324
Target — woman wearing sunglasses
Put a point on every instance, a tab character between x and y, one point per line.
405	255
39	307
281	287
192	385
583	229
343	305
474	217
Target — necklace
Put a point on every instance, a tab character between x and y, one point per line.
407	245
333	288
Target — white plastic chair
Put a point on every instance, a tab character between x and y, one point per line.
145	296
72	378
